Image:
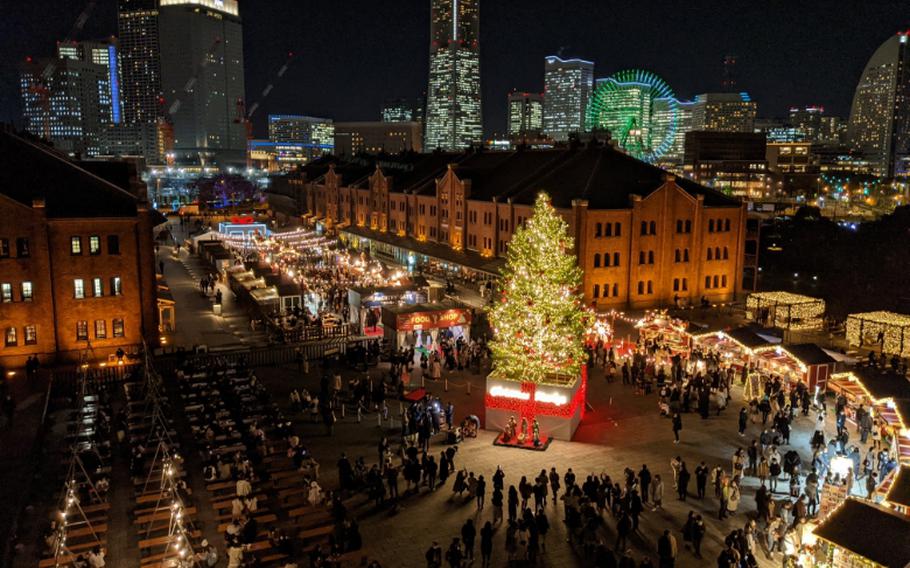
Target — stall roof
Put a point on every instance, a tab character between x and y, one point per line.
286	288
899	493
883	385
862	527
781	298
809	354
263	295
438	307
747	337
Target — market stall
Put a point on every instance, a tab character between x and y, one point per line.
785	310
801	362
734	346
888	330
897	494
422	324
672	333
366	302
845	537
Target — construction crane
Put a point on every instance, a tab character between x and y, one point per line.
245	115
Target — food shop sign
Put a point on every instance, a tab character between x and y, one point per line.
432	320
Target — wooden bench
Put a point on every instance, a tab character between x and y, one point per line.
164	540
161	516
316	533
260	516
100	530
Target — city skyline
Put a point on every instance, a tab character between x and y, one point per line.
782	56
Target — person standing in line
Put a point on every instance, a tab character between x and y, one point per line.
677	426
486	542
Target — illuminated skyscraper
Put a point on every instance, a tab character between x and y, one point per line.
525	115
140	67
453	116
724	112
70	100
568	84
201	44
879	116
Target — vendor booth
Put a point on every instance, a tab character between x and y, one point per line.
802	362
734	346
422	325
266	299
887	330
671	332
862	534
366	302
785	310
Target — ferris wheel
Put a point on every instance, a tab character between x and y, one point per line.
639	110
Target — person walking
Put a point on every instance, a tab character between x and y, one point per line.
677	426
743	420
497	505
468	535
657	493
698	534
554	484
486	543
701	479
667	549
543	527
480	492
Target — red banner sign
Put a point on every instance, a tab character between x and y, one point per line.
432	320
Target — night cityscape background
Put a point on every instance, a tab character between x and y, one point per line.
634	275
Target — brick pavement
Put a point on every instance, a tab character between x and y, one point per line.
624	430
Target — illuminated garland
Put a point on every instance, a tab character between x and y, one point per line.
539	323
863	329
804	312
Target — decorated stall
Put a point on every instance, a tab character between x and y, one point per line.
735	347
801	362
860	534
672	333
886	330
536	391
422	324
785	310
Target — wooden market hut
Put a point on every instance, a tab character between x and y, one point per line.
859	533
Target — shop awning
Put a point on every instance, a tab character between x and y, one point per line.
873	532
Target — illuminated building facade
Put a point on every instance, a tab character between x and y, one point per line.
404	110
732	162
72	99
724	112
643	237
77	258
201	43
879	125
353	138
140	66
453	116
568	86
663	115
525	115
313	135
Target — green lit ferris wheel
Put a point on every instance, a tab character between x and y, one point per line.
639	110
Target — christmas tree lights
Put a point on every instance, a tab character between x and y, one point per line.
539	322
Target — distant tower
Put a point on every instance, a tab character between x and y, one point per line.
729	82
568	84
453	117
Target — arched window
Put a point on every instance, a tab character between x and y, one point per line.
641	287
679	226
727	225
716	253
617	230
710	253
716	281
723	281
685	255
685	284
596	290
615	259
726	253
676	284
615	290
688	228
644	227
598	230
597	260
641	257
652	228
711	225
608	229
606	290
650	257
677	257
650	287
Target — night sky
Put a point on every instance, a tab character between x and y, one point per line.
354	54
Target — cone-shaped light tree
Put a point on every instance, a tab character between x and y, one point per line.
539	322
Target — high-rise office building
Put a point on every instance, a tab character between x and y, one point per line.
140	67
807	120
663	114
525	115
879	124
71	99
313	136
201	43
568	84
453	117
724	112
732	162
403	110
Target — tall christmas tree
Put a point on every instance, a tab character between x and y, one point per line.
539	323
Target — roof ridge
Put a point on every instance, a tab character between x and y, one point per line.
74	165
520	187
594	170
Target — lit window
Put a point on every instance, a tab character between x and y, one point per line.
100	329
117	327
79	288
97	288
82	330
94	244
27	292
11	339
76	245
31	335
6	292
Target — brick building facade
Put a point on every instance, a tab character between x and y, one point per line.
77	272
643	237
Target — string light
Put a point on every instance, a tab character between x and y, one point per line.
894	328
791	311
